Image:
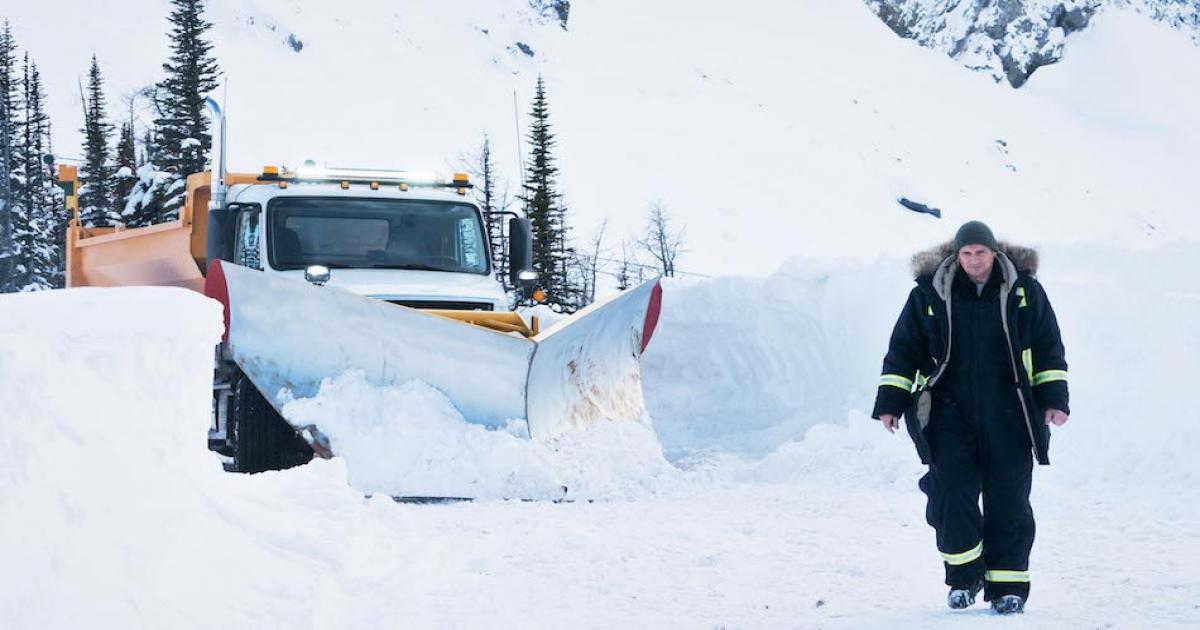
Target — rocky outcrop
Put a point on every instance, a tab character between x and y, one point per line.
1181	14
558	10
1008	38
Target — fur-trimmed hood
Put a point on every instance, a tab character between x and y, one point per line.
925	263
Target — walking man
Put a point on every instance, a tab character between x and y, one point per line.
976	367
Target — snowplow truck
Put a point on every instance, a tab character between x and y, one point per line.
321	271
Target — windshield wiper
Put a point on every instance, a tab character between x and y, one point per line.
413	267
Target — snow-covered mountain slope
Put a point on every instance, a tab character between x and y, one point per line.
769	133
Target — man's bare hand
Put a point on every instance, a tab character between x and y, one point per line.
1056	417
890	422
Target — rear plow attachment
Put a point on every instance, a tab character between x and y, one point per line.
288	336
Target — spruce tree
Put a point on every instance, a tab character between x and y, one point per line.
124	176
182	138
96	195
22	232
36	224
148	154
9	130
546	213
144	206
148	189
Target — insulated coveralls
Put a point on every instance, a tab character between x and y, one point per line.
985	413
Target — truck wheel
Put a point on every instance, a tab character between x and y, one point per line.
262	439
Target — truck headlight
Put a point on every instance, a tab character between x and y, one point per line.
317	274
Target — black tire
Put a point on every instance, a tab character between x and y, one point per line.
262	439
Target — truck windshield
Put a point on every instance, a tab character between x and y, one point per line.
352	233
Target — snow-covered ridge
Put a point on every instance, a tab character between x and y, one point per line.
1010	39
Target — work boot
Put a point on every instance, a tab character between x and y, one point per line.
1008	605
962	596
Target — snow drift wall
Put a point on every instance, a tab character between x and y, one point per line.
748	366
113	512
103	393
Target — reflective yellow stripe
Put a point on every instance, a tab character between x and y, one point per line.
1021	294
929	311
956	559
921	379
1007	576
1027	361
895	380
1049	375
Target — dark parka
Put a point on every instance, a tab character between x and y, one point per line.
919	349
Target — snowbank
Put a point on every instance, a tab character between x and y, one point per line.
114	512
99	424
746	365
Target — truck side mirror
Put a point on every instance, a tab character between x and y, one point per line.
520	254
222	233
221	222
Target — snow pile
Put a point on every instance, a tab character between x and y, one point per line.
114	511
103	410
409	440
744	364
747	366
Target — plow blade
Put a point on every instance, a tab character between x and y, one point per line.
289	335
587	368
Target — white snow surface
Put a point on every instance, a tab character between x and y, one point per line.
781	506
765	498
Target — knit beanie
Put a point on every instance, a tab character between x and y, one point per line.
974	233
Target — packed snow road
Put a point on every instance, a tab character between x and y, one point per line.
779	506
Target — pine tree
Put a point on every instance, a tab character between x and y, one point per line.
124	176
543	205
148	153
37	222
9	130
96	195
182	138
22	233
151	187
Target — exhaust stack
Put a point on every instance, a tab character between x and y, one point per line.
217	200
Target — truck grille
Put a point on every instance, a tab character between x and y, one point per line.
444	306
